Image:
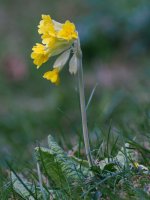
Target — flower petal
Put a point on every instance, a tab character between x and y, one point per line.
52	76
68	31
40	55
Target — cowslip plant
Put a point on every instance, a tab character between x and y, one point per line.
67	177
61	40
66	174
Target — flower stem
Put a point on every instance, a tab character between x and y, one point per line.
82	105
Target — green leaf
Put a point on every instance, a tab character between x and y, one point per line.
22	187
31	192
61	168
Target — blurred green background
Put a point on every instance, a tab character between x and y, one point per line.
115	39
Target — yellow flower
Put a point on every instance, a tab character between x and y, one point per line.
136	164
51	29
68	31
57	39
46	26
39	55
47	30
52	76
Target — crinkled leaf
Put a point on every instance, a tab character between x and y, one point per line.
60	167
77	167
23	188
31	192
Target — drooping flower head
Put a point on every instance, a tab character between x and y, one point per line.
57	39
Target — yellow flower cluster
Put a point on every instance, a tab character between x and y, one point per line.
56	39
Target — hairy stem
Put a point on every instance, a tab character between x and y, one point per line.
82	105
